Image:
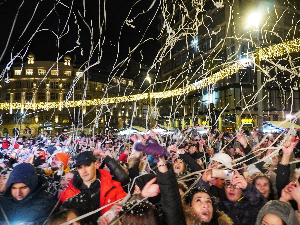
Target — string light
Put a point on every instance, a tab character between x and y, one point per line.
264	53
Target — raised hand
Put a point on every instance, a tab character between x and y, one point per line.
150	189
289	145
240	137
239	180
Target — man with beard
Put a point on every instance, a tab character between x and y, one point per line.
59	166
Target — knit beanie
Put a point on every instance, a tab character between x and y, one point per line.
23	173
64	157
281	209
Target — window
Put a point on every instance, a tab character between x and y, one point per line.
28	96
67	61
124	81
130	83
41	72
78	74
29	71
41	96
18	84
17	96
29	84
54	72
78	96
65	96
18	72
78	86
7	97
68	73
53	84
54	96
30	59
66	85
177	61
16	119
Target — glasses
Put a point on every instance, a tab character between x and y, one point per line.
229	185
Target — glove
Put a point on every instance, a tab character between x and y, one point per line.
151	147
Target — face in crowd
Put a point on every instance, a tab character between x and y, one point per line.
66	179
192	149
179	166
55	164
202	206
87	173
233	193
19	191
263	185
271	219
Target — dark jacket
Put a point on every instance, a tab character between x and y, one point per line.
116	170
241	212
170	198
35	207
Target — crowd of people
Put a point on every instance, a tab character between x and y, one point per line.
230	177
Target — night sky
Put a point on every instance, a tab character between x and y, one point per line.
60	31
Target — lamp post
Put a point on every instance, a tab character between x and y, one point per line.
253	20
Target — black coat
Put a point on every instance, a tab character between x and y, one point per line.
116	170
170	198
35	207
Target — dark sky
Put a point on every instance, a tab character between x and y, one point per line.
60	31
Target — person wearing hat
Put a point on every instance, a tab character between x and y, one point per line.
59	166
88	181
25	199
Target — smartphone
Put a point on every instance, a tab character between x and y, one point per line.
222	174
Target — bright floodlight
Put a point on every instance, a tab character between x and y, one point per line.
253	19
149	79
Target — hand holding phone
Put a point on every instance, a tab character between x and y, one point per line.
226	175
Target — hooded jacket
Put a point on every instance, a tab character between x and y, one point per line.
110	190
281	209
36	206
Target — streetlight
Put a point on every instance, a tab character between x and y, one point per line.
254	20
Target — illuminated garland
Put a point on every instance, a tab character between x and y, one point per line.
264	53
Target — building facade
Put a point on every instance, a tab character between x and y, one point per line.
204	37
39	82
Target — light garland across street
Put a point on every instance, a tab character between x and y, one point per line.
273	51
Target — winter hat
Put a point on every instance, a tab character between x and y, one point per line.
252	169
51	149
85	158
144	179
64	157
281	209
222	158
23	173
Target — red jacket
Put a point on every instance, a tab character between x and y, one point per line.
110	191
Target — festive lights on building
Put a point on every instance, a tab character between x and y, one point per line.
264	53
